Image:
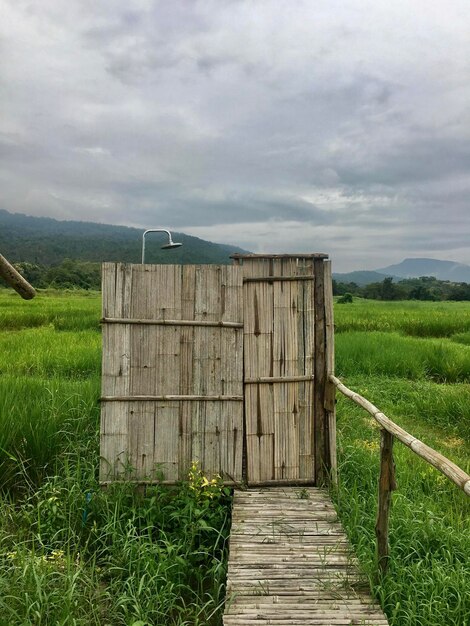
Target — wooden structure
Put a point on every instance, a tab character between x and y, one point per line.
225	365
291	563
233	367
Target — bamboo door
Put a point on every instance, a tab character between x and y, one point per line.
279	367
172	374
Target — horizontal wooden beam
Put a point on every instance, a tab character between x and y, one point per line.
272	279
277	379
173	398
313	255
431	456
291	482
130	320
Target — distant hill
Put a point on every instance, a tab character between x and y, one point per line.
360	277
443	270
47	241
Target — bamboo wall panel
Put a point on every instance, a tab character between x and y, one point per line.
278	344
144	440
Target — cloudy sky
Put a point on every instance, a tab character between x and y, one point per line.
339	126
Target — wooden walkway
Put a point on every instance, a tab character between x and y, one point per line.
291	563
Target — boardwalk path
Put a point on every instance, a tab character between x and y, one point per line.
291	563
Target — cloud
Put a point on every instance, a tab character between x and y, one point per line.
338	126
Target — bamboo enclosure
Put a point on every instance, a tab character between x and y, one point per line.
225	365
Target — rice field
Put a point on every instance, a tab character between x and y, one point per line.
412	361
71	554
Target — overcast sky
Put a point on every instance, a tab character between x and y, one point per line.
339	126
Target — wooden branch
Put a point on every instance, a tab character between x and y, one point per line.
387	484
15	280
314	255
277	379
437	460
273	279
173	398
206	323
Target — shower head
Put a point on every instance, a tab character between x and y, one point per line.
167	246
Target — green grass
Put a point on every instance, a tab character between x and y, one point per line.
61	310
412	361
391	354
70	554
73	555
417	319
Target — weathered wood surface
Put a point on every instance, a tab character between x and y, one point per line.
387	484
173	389
434	458
330	389
279	353
15	280
291	563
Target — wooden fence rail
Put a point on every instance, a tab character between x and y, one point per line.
15	280
390	430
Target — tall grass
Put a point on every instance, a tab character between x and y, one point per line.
390	354
418	319
71	554
421	382
429	573
74	310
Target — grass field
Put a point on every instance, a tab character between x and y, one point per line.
413	361
73	555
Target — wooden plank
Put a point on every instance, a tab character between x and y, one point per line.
305	575
330	389
322	460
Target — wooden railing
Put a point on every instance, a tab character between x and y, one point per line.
390	431
15	280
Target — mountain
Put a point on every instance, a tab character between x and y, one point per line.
360	277
443	270
47	241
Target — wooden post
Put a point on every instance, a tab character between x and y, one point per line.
15	280
330	388
387	484
321	423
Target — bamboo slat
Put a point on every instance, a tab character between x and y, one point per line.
172	398
321	426
434	458
330	389
172	371
291	563
278	367
116	320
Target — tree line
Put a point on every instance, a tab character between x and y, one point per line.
75	274
423	288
